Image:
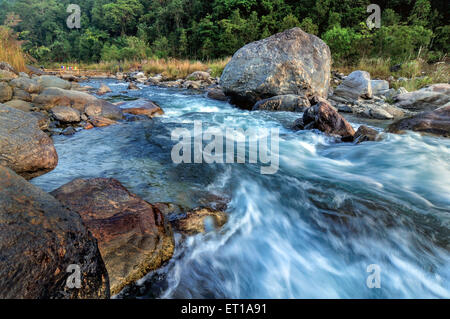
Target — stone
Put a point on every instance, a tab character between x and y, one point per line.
198	221
142	107
132	86
103	90
132	235
364	134
426	99
287	103
39	240
21	105
379	87
217	94
6	92
19	94
99	121
198	76
290	62
66	114
26	84
51	81
104	109
356	85
325	118
435	122
7	76
24	148
43	120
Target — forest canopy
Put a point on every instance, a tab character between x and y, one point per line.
209	29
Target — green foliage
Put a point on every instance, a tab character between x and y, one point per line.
341	41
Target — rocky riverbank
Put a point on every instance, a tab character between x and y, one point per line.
113	235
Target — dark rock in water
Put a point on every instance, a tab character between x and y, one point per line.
39	240
196	221
23	146
99	121
288	103
132	234
217	94
325	118
298	124
364	134
291	62
132	86
68	131
142	107
104	109
435	122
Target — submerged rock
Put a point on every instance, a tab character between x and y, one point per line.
290	62
325	118
364	134
23	146
39	240
288	103
435	122
198	221
132	234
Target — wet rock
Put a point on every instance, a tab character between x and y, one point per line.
200	220
103	90
291	62
132	86
426	99
142	107
39	239
66	114
68	131
28	85
23	146
356	85
325	118
217	94
288	103
99	121
132	235
435	122
6	92
364	134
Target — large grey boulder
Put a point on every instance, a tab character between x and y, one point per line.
39	241
288	103
23	146
379	87
426	99
290	62
47	81
26	84
6	92
356	85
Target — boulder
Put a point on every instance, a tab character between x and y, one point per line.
66	114
35	70
39	240
217	94
288	103
7	76
378	110
26	84
23	146
132	235
198	76
43	120
364	134
200	220
356	85
51	81
426	99
290	62
192	85
379	87
325	118
99	121
104	109
142	107
132	86
103	89
21	105
6	92
8	68
19	94
435	122
155	79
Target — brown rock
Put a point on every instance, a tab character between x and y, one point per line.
217	94
132	234
195	220
103	89
143	107
364	134
99	121
39	239
23	146
6	92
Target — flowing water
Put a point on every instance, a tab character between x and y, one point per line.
309	231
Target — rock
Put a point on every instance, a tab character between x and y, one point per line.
197	220
104	109
426	99
7	67
119	76
199	76
155	79
6	92
132	234
138	77
379	87
99	121
19	94
132	86
435	122
7	76
23	146
50	81
217	94
291	62
325	118
364	134
288	103
192	85
43	120
103	89
35	70
68	77
356	85
28	85
142	107
21	105
24	75
66	114
68	131
39	239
